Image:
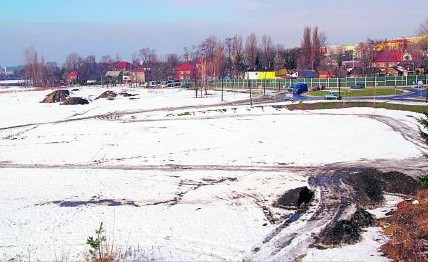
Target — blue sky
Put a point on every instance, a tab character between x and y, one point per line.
56	28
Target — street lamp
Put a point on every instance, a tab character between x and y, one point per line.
222	77
249	86
339	63
374	66
264	83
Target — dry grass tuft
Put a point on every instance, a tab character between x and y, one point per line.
408	229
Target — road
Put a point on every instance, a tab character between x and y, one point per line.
410	95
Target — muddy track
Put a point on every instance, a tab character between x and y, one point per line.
290	240
408	133
116	115
409	166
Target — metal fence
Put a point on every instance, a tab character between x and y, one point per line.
279	84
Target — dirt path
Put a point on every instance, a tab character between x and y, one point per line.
290	240
410	165
118	114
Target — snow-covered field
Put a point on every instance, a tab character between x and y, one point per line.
167	173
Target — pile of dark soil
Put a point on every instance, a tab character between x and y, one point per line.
56	96
126	94
107	94
75	101
346	231
369	185
295	198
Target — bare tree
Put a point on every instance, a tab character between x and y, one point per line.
72	62
149	60
267	52
87	68
305	50
106	59
315	49
52	73
171	62
421	47
238	66
147	55
423	28
34	70
365	53
251	51
291	57
219	60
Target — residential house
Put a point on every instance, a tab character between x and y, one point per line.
185	71
114	77
73	77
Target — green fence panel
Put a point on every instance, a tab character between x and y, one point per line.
279	84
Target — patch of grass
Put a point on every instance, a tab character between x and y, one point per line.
360	92
423	181
343	104
100	250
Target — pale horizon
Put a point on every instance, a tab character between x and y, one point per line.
58	28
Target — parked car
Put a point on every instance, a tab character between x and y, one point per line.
420	84
152	84
332	96
300	88
319	87
185	85
358	86
174	83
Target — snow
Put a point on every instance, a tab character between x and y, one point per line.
365	250
198	169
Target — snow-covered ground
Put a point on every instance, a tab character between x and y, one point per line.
166	172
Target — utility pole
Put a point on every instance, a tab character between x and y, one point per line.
222	88
249	86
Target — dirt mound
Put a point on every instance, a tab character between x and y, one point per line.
295	198
369	185
56	96
75	101
125	94
346	231
108	95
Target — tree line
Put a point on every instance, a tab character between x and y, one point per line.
218	58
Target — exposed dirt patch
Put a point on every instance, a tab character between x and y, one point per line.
295	198
56	96
95	202
346	231
108	95
75	101
125	94
369	185
338	218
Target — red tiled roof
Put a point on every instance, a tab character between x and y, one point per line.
123	64
73	74
185	67
389	56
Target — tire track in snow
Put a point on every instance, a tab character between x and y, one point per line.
290	240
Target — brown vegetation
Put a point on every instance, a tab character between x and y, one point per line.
75	101
408	229
56	96
107	94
